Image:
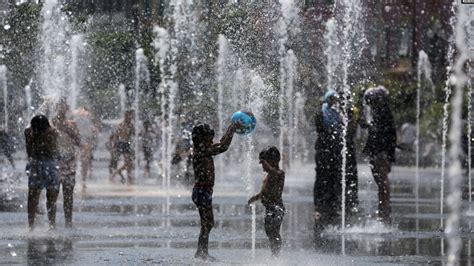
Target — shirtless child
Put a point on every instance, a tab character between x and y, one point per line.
203	163
123	143
89	129
271	196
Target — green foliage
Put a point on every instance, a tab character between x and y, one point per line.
431	121
19	42
403	104
111	57
145	42
403	100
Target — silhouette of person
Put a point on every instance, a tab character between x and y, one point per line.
42	167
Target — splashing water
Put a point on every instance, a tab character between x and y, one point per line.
288	62
167	45
469	133
29	102
291	63
470	71
77	47
455	172
232	73
220	76
300	126
141	74
122	96
333	54
161	43
353	39
250	188
448	91
3	80
53	38
423	71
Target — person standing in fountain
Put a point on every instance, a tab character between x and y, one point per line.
88	129
42	167
124	137
69	139
380	145
271	196
203	163
327	186
111	145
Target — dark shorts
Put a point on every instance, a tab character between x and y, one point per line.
124	147
202	197
274	215
43	174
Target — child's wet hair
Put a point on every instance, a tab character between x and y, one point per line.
270	153
202	131
39	123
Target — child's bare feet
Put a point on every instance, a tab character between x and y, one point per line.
206	257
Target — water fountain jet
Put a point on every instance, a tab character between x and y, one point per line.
4	82
142	77
459	78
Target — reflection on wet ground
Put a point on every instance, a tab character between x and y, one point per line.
115	224
49	251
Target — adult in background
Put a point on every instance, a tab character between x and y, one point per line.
69	142
380	145
111	145
88	129
123	143
327	187
42	167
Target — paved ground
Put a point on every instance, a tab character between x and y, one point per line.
118	224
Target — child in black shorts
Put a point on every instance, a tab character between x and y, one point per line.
271	196
203	164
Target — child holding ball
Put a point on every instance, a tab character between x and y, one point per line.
203	163
271	196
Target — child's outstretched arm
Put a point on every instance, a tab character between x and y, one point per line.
254	198
225	141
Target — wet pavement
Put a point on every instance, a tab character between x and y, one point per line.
119	224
